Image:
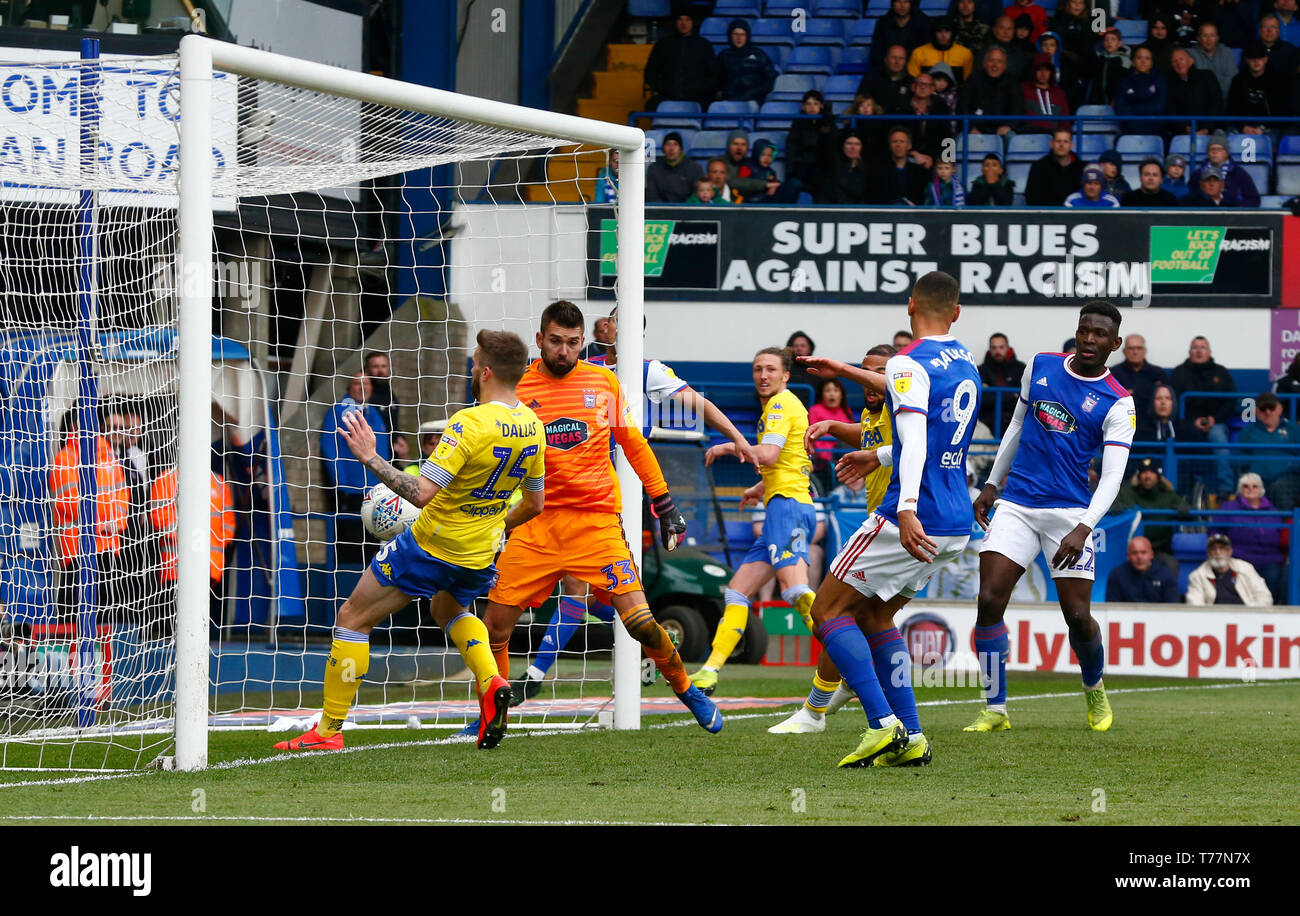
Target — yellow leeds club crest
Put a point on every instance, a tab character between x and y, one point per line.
902	382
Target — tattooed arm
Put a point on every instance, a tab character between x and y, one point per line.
360	437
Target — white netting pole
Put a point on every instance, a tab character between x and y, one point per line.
194	372
630	293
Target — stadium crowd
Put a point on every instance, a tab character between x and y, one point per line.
1174	104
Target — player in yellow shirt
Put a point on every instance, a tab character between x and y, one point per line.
464	490
828	692
790	518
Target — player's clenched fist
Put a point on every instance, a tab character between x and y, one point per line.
672	526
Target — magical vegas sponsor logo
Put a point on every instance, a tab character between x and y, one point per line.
565	433
1054	417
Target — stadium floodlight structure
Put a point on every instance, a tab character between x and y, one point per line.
180	158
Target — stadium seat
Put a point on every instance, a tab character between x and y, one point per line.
860	33
1098	127
1258	173
738	9
785	8
1136	147
1132	173
714	29
707	143
723	115
1090	146
651	9
977	146
1273	201
841	88
811	59
1027	147
1249	148
677	114
1019	173
1133	31
1182	145
1189	545
779	54
841	9
767	32
776	116
1236	55
1289	149
854	60
790	87
823	32
934	8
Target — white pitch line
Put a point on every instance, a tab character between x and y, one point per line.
206	818
456	739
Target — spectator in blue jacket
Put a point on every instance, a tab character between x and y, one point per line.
1176	175
351	479
1142	92
1238	187
1271	427
1141	580
1092	195
747	72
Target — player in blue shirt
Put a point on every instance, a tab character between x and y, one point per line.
1070	406
932	390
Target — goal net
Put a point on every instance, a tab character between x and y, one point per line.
180	522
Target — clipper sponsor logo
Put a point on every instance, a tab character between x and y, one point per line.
1054	417
103	869
565	433
929	639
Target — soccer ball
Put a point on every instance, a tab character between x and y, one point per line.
385	514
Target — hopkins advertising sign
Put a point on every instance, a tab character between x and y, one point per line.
783	254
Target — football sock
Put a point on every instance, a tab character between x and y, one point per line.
559	631
658	646
1092	659
501	652
735	615
348	662
992	645
849	650
801	597
820	695
471	638
894	673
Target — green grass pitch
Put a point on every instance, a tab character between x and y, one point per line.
1179	753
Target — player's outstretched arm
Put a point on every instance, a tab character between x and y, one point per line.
848	433
825	367
360	437
699	405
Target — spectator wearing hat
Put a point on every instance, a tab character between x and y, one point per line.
1144	91
904	25
759	166
1066	72
1193	93
1281	54
1225	579
941	48
1238	186
1176	176
1149	192
1271	427
810	144
1209	189
1113	181
1260	544
747	73
1042	95
1055	176
1141	580
1160	41
945	86
1036	14
1024	32
1209	54
1112	63
993	187
1091	194
682	66
739	177
1149	489
1257	92
671	178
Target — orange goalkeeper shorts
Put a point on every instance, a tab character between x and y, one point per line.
587	545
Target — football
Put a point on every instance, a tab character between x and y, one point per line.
385	514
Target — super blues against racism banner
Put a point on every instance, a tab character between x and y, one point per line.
1021	257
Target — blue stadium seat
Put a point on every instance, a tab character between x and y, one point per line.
1189	545
1273	201
1236	55
707	143
861	32
790	87
1028	147
767	32
776	116
653	9
1136	147
877	8
714	29
779	54
1090	146
1182	145
854	60
811	59
1250	148
1019	173
822	32
841	88
1133	31
977	146
934	7
724	115
1099	127
1289	149
1258	173
738	9
840	9
784	8
677	114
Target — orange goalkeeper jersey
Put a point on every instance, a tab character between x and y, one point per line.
579	413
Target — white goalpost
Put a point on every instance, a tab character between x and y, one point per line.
239	230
